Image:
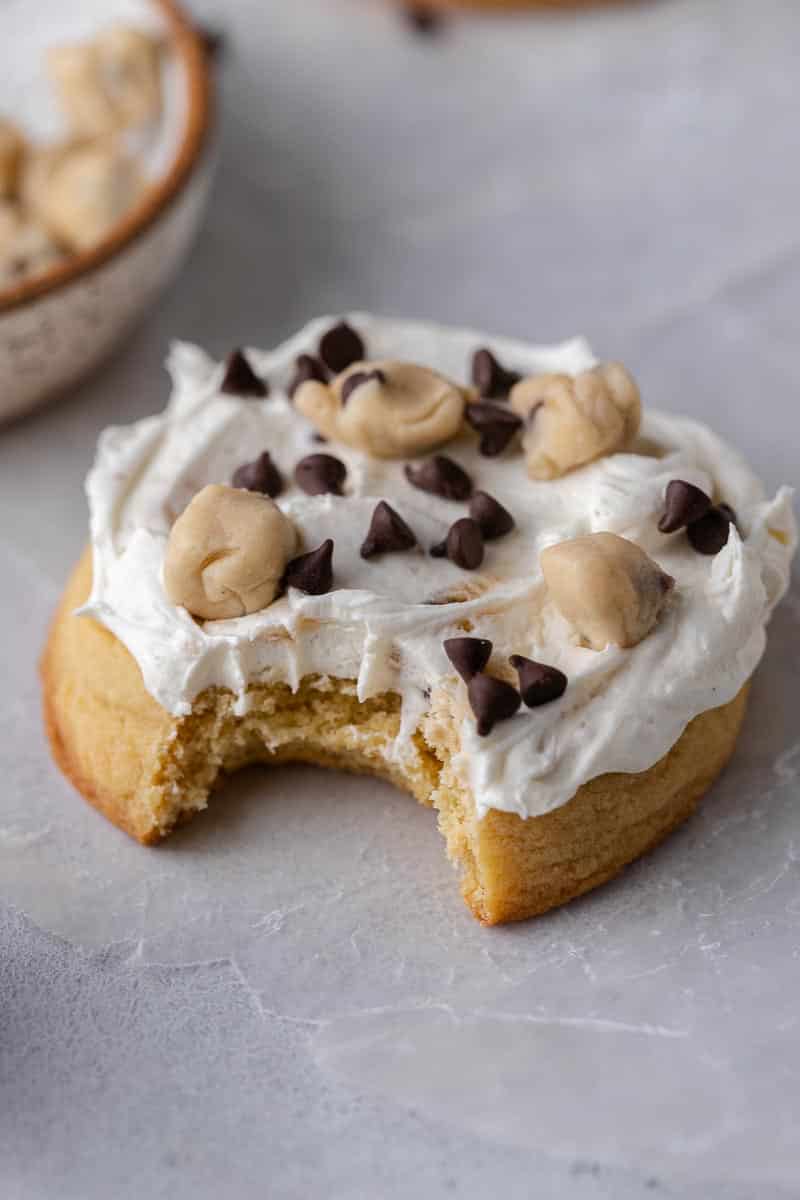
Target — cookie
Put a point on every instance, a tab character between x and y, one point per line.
562	698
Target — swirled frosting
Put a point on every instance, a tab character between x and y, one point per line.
384	623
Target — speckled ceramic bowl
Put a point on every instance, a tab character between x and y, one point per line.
55	327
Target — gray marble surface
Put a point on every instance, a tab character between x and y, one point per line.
289	999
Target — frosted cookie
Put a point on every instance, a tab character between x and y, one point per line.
348	551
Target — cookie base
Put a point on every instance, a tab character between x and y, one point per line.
148	771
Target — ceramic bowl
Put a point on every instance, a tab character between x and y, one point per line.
55	327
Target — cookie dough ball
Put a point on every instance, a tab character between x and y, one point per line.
606	587
80	191
77	75
108	84
572	421
12	151
227	553
386	409
26	247
130	64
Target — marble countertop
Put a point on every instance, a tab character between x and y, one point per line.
289	999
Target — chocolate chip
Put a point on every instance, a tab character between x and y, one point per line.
387	532
357	379
493	519
683	504
441	476
261	475
340	347
710	533
463	544
422	18
538	683
489	377
317	474
307	367
468	655
312	572
491	700
213	40
240	379
495	425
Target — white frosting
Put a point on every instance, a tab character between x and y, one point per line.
622	710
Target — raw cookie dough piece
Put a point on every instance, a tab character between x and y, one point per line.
130	64
227	553
80	192
77	75
607	587
572	421
12	151
108	84
387	409
26	247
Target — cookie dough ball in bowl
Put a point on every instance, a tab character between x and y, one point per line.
119	211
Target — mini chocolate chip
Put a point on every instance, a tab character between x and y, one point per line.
312	572
340	347
489	377
422	18
491	700
319	473
357	379
261	475
387	532
463	544
441	476
495	425
307	367
319	438
240	379
710	533
213	40
538	683
468	655
683	504
493	519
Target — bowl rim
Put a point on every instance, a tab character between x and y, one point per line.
186	42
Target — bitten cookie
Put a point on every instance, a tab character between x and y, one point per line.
337	552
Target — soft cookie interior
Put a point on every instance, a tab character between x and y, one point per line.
149	771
